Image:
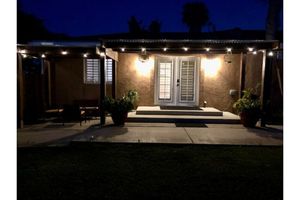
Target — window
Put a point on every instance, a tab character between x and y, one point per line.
92	71
108	66
165	77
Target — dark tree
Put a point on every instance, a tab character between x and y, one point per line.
154	26
134	25
195	16
273	18
30	27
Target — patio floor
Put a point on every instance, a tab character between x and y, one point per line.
181	133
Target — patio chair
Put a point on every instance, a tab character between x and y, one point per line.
73	113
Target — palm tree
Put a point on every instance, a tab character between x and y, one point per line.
154	26
134	25
195	16
273	17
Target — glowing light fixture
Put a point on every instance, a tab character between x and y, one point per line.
211	66
207	49
24	55
64	52
123	49
185	48
271	53
43	55
229	49
254	52
23	51
102	54
165	49
250	49
143	68
143	49
85	55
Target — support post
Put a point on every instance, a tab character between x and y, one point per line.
265	88
242	73
114	79
102	88
20	85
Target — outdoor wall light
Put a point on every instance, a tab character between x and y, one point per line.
271	53
250	49
123	49
211	66
185	48
143	67
23	51
64	52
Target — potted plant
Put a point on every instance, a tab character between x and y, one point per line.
248	108
133	96
118	108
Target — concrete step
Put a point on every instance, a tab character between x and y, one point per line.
226	118
157	110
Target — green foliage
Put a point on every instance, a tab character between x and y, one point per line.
248	103
121	105
133	96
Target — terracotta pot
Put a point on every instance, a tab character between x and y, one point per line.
119	118
249	119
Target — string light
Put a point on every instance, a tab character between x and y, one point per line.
250	49
270	53
43	56
185	48
143	49
123	49
85	55
165	49
229	49
207	49
254	52
64	52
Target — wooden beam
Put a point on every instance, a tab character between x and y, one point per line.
243	60
20	85
102	89
114	79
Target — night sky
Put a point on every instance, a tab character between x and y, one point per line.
92	17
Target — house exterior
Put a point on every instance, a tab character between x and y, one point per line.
164	72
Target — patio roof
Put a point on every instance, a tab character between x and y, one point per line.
133	45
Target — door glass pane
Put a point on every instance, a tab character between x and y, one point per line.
165	78
187	84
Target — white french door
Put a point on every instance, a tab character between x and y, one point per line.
176	82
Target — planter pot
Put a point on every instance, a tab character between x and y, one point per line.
119	118
249	119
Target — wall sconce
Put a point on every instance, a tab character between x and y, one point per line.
143	57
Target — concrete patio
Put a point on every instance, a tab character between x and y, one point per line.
179	133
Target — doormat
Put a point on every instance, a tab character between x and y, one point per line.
190	125
180	108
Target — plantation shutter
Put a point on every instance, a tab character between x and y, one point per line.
187	83
165	78
92	71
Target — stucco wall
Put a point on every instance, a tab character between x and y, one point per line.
214	90
253	71
131	76
69	84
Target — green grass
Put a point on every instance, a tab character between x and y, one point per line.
145	171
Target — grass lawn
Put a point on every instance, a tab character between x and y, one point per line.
150	171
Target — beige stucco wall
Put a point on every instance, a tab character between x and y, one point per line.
214	90
69	84
253	71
